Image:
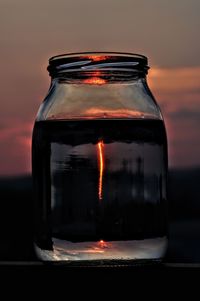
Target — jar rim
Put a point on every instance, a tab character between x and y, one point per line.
100	54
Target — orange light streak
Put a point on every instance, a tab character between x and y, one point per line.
96	58
101	168
94	81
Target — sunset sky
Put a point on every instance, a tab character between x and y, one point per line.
167	32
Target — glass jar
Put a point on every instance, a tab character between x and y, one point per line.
99	160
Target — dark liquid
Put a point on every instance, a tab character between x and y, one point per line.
99	180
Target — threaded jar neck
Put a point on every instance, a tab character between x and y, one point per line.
98	67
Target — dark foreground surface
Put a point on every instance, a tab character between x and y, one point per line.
16	231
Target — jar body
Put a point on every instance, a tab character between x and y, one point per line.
99	172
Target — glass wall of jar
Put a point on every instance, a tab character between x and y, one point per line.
99	156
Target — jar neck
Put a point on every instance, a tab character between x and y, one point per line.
98	78
98	68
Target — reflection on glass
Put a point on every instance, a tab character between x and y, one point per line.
101	167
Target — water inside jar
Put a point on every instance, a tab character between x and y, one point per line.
101	190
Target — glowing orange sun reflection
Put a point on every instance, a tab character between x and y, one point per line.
101	168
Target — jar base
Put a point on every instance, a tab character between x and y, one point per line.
112	252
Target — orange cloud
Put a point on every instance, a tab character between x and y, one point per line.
178	93
15	152
176	88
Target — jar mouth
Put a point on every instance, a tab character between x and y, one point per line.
97	64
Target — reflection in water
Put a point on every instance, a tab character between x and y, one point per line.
87	211
103	244
101	168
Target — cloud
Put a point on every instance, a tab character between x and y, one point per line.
15	151
186	114
177	91
175	80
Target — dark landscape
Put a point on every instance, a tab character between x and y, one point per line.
16	217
